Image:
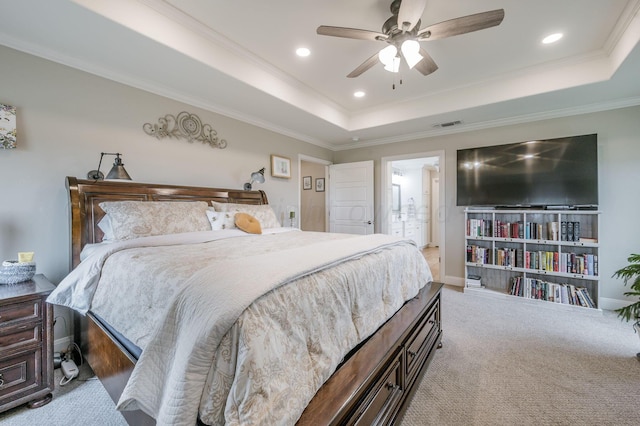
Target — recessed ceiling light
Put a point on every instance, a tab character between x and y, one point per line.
552	38
303	52
359	94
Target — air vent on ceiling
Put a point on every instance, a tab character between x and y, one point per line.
448	124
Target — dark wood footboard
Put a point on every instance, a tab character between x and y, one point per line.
373	386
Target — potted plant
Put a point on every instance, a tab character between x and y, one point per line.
631	275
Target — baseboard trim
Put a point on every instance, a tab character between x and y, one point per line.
61	344
457	281
610	304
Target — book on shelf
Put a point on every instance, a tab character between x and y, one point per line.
569	231
474	281
554	230
568	294
576	231
588	240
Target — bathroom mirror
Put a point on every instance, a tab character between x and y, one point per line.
395	197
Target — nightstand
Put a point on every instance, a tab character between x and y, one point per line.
26	344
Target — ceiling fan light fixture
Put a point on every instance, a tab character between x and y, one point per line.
411	52
387	55
394	65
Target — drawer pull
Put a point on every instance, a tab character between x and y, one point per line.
432	322
411	353
390	386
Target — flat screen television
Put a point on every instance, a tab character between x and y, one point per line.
560	172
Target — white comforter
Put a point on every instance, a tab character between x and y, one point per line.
214	352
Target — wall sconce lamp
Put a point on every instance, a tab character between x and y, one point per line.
255	177
116	172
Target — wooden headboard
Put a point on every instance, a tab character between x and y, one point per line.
86	195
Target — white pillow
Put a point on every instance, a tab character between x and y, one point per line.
262	212
134	219
107	230
220	220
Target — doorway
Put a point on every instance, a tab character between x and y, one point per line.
313	201
412	197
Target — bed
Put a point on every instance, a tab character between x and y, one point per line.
372	370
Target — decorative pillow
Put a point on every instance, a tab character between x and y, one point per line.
262	212
248	223
134	219
220	220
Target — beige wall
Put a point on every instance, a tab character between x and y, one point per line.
65	118
312	203
619	177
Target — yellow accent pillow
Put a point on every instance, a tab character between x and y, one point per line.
248	223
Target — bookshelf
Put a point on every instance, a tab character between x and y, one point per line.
537	256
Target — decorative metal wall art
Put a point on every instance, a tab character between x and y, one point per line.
7	126
187	126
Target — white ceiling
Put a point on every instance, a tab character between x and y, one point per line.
237	58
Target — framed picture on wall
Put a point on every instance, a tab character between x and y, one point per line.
7	127
320	185
280	166
306	182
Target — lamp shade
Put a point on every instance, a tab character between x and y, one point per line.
255	177
258	176
387	54
411	52
118	171
389	57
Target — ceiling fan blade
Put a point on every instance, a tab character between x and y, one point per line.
427	65
351	33
465	24
364	66
410	13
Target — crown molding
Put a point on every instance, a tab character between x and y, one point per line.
520	119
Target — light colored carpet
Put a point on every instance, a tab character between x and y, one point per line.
81	402
502	363
507	363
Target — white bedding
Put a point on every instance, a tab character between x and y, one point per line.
242	362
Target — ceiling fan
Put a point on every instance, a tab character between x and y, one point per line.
402	32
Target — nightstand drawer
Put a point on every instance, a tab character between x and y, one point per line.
29	310
20	336
20	374
26	344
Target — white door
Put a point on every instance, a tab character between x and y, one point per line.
351	198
